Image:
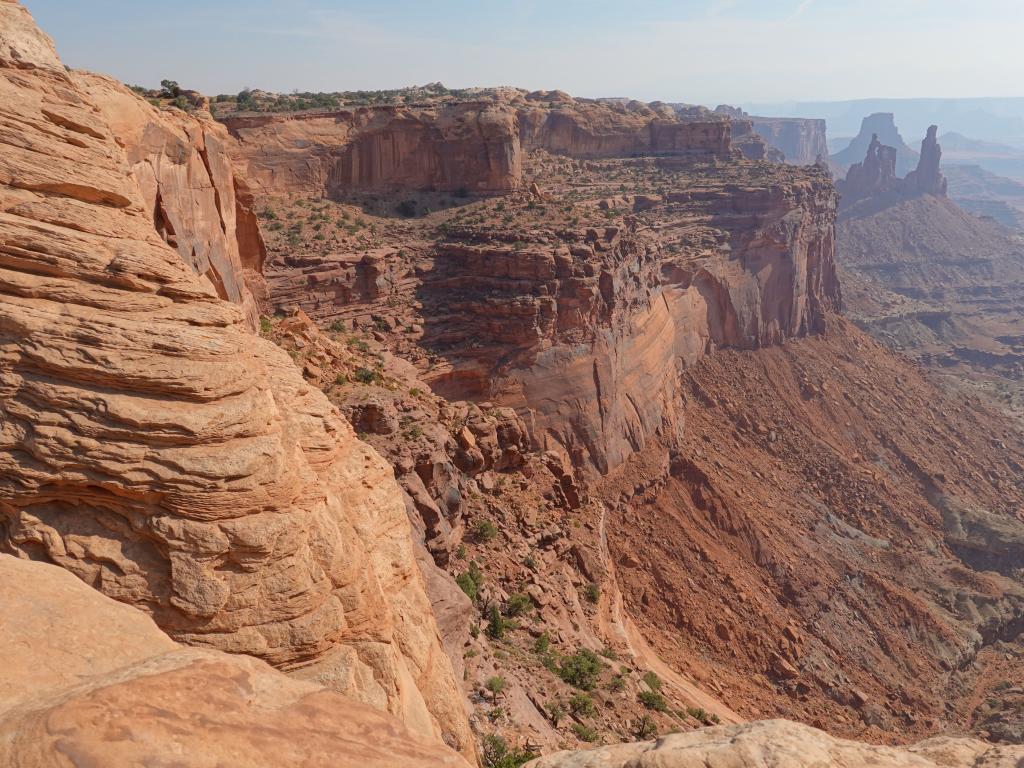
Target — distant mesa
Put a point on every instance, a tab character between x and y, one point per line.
883	126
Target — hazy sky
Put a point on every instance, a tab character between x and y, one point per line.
702	51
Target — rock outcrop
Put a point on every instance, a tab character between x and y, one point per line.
801	141
781	744
882	125
154	447
89	681
927	178
873	183
874	175
470	147
586	329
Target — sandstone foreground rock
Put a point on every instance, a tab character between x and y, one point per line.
88	681
782	744
155	448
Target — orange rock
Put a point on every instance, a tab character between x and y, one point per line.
90	680
154	447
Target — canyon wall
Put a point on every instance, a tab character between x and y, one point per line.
802	141
154	447
586	329
472	147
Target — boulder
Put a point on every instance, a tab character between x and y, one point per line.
782	744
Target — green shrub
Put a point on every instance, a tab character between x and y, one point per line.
495	685
542	643
497	624
653	700
697	713
338	325
366	376
618	682
556	711
592	592
581	705
581	669
653	681
485	530
265	325
646	728
584	732
471	580
518	604
498	754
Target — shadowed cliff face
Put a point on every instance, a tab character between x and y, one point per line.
154	447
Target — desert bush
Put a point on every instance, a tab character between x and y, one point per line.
581	670
653	700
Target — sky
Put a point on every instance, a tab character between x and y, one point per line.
697	51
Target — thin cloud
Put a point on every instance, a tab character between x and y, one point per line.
802	8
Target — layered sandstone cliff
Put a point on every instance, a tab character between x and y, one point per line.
475	147
586	329
180	163
89	681
154	447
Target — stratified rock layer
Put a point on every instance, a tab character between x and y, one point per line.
470	146
89	681
586	329
155	448
781	744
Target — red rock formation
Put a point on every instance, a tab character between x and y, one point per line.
873	183
180	165
882	125
154	447
927	178
875	175
472	146
87	680
586	329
